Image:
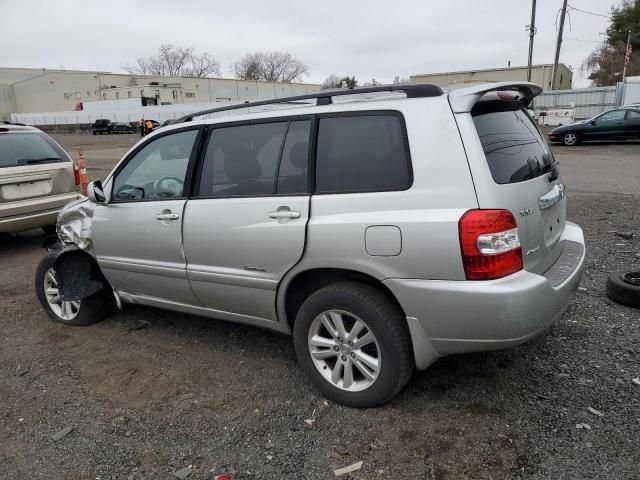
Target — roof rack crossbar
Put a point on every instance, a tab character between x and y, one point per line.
324	98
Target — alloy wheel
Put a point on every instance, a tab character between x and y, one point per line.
344	350
570	139
64	310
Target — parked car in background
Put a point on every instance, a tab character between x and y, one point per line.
617	124
121	128
37	178
101	126
381	233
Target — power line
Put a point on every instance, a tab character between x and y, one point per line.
581	40
571	7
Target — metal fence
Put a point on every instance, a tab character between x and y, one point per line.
588	102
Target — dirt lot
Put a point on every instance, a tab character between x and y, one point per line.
185	391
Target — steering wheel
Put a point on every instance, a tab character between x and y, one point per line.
168	187
129	195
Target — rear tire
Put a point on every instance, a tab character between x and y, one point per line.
624	288
373	364
570	139
87	311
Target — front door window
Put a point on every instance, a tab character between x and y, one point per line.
158	170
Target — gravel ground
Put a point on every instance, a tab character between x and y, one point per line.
149	392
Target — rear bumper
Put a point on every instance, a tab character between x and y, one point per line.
468	316
40	212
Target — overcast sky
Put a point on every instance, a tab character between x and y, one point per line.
373	39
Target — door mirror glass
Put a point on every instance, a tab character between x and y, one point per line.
96	193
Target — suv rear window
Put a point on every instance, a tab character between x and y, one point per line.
17	149
514	149
362	153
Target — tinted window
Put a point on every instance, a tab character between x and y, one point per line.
158	170
361	153
242	160
514	149
28	148
293	174
633	115
613	116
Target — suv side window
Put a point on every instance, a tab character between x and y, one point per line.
362	153
293	174
242	160
156	171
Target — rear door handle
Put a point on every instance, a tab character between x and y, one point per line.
285	214
167	216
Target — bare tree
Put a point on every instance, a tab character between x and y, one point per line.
332	81
270	67
248	67
172	61
203	65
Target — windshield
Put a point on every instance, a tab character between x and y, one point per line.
17	148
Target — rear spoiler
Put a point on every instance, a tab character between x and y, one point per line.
462	100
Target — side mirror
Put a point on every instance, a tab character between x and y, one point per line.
95	192
592	122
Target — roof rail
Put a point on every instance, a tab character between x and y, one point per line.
325	98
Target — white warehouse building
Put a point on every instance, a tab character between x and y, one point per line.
32	90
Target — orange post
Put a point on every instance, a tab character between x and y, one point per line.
84	178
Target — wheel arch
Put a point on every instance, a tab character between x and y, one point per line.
298	286
81	274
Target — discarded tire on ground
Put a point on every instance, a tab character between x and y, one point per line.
624	288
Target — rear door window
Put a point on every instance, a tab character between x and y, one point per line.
242	160
362	153
293	177
514	149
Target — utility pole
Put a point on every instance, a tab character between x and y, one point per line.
532	32
554	72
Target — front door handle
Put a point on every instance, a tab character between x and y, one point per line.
285	214
167	216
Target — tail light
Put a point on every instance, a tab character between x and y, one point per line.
490	245
76	174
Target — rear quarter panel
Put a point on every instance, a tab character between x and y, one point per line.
426	214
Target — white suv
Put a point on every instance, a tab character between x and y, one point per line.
383	227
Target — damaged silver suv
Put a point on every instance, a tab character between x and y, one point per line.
382	227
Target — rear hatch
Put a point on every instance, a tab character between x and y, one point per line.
514	169
32	166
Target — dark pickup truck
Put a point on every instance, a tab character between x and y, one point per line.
101	126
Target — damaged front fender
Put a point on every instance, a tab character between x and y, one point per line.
77	274
74	224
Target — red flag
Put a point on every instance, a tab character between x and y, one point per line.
627	57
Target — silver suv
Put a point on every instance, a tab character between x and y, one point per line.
382	227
